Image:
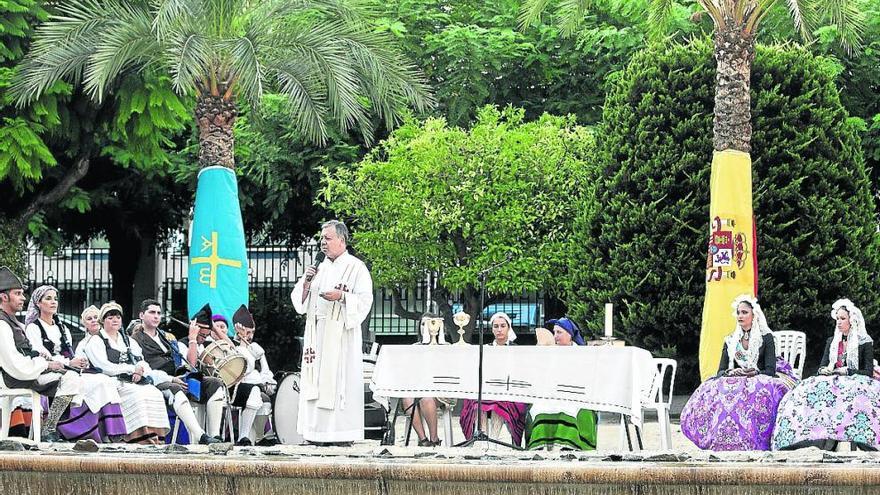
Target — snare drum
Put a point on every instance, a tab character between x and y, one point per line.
285	410
221	360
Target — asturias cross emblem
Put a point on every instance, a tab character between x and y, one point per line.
208	274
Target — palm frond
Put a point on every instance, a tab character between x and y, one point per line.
659	12
571	14
321	46
126	42
246	65
169	14
187	56
531	12
305	97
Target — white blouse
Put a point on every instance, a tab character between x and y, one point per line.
35	337
97	354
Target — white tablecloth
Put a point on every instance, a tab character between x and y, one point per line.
601	378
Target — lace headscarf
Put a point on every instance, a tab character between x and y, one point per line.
756	338
511	335
857	334
33	312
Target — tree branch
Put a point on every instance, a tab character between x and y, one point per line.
399	309
77	172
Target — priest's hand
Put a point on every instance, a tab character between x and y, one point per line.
332	295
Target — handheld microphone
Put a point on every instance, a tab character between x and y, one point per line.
318	259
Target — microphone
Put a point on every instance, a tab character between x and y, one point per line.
318	259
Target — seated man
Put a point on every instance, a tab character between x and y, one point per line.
257	375
162	353
22	367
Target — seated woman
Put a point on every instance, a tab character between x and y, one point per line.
512	414
95	412
736	409
425	414
554	424
841	403
143	406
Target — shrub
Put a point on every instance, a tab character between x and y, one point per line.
643	244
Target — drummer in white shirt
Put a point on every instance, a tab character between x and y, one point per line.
258	373
204	329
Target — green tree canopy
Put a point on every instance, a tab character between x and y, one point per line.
452	202
643	245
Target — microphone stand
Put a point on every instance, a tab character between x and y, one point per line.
479	434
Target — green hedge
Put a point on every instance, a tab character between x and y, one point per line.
644	245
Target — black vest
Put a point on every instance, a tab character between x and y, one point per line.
66	349
117	357
153	354
22	344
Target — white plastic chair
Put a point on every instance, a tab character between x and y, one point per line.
658	398
792	346
6	397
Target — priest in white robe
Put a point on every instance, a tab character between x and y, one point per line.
336	298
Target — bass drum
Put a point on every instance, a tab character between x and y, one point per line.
285	409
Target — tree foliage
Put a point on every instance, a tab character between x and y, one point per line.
321	55
439	199
643	245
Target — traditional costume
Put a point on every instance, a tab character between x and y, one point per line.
95	411
331	401
22	367
257	376
557	424
825	409
143	405
511	414
738	412
160	350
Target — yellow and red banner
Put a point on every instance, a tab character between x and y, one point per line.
731	265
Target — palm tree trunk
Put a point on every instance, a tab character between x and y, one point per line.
734	53
216	117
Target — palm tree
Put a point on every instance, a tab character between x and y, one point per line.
321	54
736	25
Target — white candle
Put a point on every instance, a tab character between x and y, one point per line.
608	310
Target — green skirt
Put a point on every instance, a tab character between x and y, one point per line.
562	430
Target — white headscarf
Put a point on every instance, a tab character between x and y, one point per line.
857	334
756	338
511	335
33	312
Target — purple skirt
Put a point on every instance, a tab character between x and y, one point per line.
734	413
512	413
842	408
80	423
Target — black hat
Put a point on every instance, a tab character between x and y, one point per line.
203	316
9	280
244	317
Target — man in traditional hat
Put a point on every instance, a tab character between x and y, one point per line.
257	375
22	367
336	297
162	352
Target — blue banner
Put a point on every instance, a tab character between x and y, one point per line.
218	267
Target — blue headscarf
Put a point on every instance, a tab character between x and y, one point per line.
570	327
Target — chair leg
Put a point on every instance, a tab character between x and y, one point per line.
447	427
36	416
665	428
6	406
